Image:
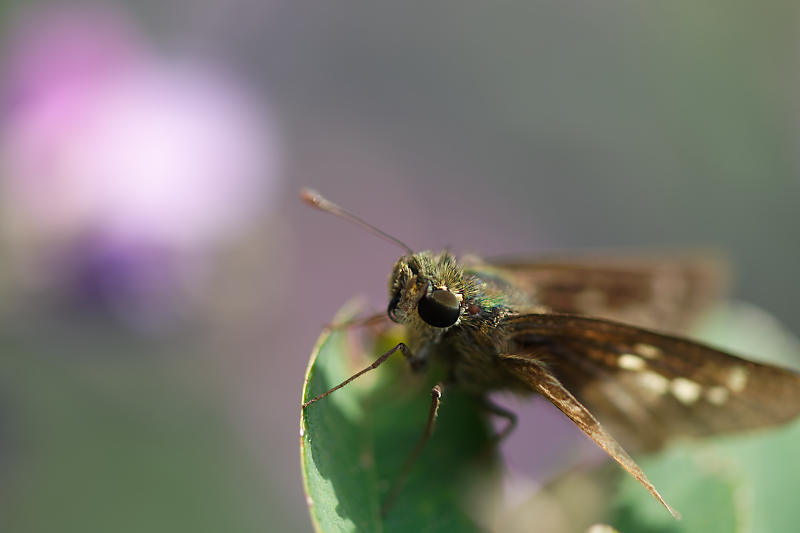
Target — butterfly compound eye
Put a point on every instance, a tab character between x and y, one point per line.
440	308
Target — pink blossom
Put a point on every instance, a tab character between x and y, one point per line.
104	144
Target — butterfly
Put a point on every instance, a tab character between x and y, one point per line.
599	337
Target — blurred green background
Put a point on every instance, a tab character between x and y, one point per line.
161	285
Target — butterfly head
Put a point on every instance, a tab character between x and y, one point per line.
427	290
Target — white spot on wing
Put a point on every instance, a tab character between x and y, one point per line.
629	361
648	351
685	390
717	395
600	528
654	382
737	379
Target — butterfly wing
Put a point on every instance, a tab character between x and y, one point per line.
648	387
541	379
663	293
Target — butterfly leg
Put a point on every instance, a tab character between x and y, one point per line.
400	481
378	362
502	412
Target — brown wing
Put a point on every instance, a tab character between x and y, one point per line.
541	380
648	387
664	293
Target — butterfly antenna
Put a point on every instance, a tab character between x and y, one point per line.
315	199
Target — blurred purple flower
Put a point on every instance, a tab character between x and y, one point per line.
117	164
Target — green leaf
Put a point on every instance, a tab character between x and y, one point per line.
354	442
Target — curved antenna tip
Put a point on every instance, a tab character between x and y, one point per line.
310	196
315	199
